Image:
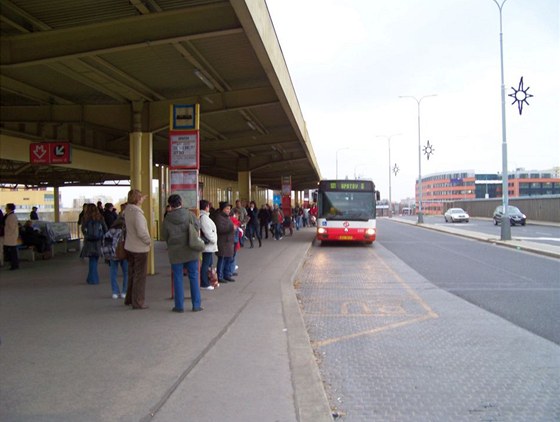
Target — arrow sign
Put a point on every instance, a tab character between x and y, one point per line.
59	150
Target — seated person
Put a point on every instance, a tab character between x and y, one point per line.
32	237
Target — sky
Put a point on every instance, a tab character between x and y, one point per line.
350	60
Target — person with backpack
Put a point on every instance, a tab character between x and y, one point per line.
93	229
174	231
111	241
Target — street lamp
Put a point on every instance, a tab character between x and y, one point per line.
390	170
418	101
340	149
505	226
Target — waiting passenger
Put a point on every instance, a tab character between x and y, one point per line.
93	229
226	231
32	237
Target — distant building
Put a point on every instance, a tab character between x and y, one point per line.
26	199
439	188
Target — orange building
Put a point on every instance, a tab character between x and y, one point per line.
440	188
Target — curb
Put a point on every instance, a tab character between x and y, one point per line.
310	398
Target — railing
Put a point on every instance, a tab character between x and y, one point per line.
75	232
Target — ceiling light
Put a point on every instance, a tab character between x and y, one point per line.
203	78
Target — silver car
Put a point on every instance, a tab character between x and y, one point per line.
456	215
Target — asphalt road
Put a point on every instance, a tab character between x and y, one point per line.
539	233
520	287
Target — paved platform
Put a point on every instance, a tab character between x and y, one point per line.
71	353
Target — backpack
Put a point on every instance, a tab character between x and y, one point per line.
94	231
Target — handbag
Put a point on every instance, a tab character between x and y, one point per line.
194	240
120	251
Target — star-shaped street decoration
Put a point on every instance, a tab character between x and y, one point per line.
520	96
396	169
428	150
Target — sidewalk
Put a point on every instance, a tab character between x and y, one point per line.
69	352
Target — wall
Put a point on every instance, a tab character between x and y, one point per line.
535	208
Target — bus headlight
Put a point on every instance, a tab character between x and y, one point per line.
370	232
321	230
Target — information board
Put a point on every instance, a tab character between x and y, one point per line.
184	149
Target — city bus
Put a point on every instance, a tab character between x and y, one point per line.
346	211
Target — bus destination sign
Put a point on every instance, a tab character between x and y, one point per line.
346	185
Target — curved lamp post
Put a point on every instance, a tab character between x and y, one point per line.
390	169
418	101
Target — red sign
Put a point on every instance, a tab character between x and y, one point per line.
50	153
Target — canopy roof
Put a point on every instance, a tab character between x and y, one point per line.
76	70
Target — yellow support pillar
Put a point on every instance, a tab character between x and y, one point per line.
244	185
56	194
141	178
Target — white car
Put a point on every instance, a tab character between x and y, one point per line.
456	214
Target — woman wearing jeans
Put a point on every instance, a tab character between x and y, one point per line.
175	231
226	232
111	241
93	229
208	231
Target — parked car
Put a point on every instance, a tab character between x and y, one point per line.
456	214
515	216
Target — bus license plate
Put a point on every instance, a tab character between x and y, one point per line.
345	237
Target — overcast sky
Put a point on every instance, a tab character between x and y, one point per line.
350	60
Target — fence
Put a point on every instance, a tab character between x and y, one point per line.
546	208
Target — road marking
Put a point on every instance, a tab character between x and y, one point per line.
553	239
430	314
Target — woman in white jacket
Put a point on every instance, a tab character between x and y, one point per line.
137	245
208	232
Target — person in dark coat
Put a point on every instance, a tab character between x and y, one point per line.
226	231
264	220
109	214
253	223
175	231
33	214
31	237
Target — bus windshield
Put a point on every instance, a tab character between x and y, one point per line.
347	206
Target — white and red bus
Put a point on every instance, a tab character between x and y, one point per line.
346	211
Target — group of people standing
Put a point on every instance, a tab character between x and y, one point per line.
101	240
124	241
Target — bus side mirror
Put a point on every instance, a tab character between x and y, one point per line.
377	195
314	195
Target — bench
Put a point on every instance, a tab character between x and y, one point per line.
59	235
28	253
